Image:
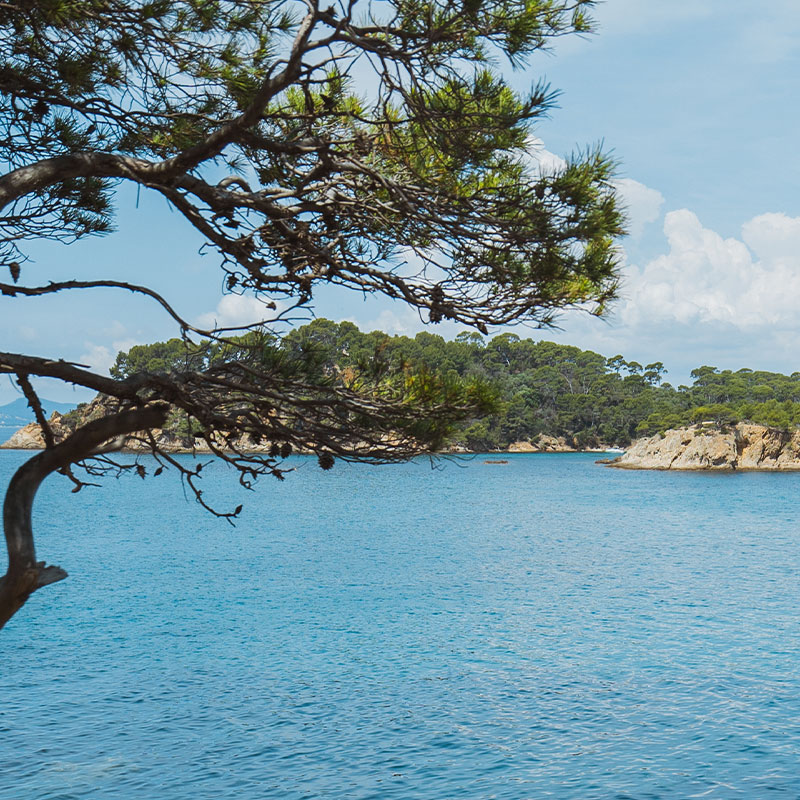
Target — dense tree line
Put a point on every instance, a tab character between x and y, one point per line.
541	387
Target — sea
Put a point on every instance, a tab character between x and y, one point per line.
542	628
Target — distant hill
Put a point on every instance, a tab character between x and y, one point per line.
15	414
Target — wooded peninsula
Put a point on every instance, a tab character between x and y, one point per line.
541	388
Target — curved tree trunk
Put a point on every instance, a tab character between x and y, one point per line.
25	574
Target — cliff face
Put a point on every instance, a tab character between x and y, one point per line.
743	446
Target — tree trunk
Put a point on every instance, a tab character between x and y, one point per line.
25	574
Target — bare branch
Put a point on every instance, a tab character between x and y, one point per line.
69	373
36	406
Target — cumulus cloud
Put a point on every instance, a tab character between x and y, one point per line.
398	319
774	238
402	322
643	204
235	310
749	283
730	302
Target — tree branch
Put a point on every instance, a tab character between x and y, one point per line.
35	404
25	574
68	372
227	133
37	176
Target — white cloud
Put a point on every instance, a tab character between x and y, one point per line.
750	284
774	237
643	204
730	302
98	358
234	310
544	161
390	321
400	320
115	330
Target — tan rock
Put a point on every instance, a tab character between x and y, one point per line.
30	437
543	444
745	446
708	451
521	447
552	444
27	438
455	449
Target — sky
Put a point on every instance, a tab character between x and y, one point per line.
697	102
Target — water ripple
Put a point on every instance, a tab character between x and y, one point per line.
548	629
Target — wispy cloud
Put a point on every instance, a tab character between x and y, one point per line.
544	161
100	357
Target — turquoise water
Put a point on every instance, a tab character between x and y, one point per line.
545	628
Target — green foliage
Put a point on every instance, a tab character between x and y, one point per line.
366	133
524	388
427	396
170	356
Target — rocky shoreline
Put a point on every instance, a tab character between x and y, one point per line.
707	447
699	447
30	437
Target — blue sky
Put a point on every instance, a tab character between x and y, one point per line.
698	103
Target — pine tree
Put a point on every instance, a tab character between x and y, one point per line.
349	139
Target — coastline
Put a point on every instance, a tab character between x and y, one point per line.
703	447
30	438
454	452
744	447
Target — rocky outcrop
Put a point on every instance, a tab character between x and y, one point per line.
30	436
743	446
27	438
455	450
522	447
543	444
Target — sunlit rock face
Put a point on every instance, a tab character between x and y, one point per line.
30	437
742	446
543	444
